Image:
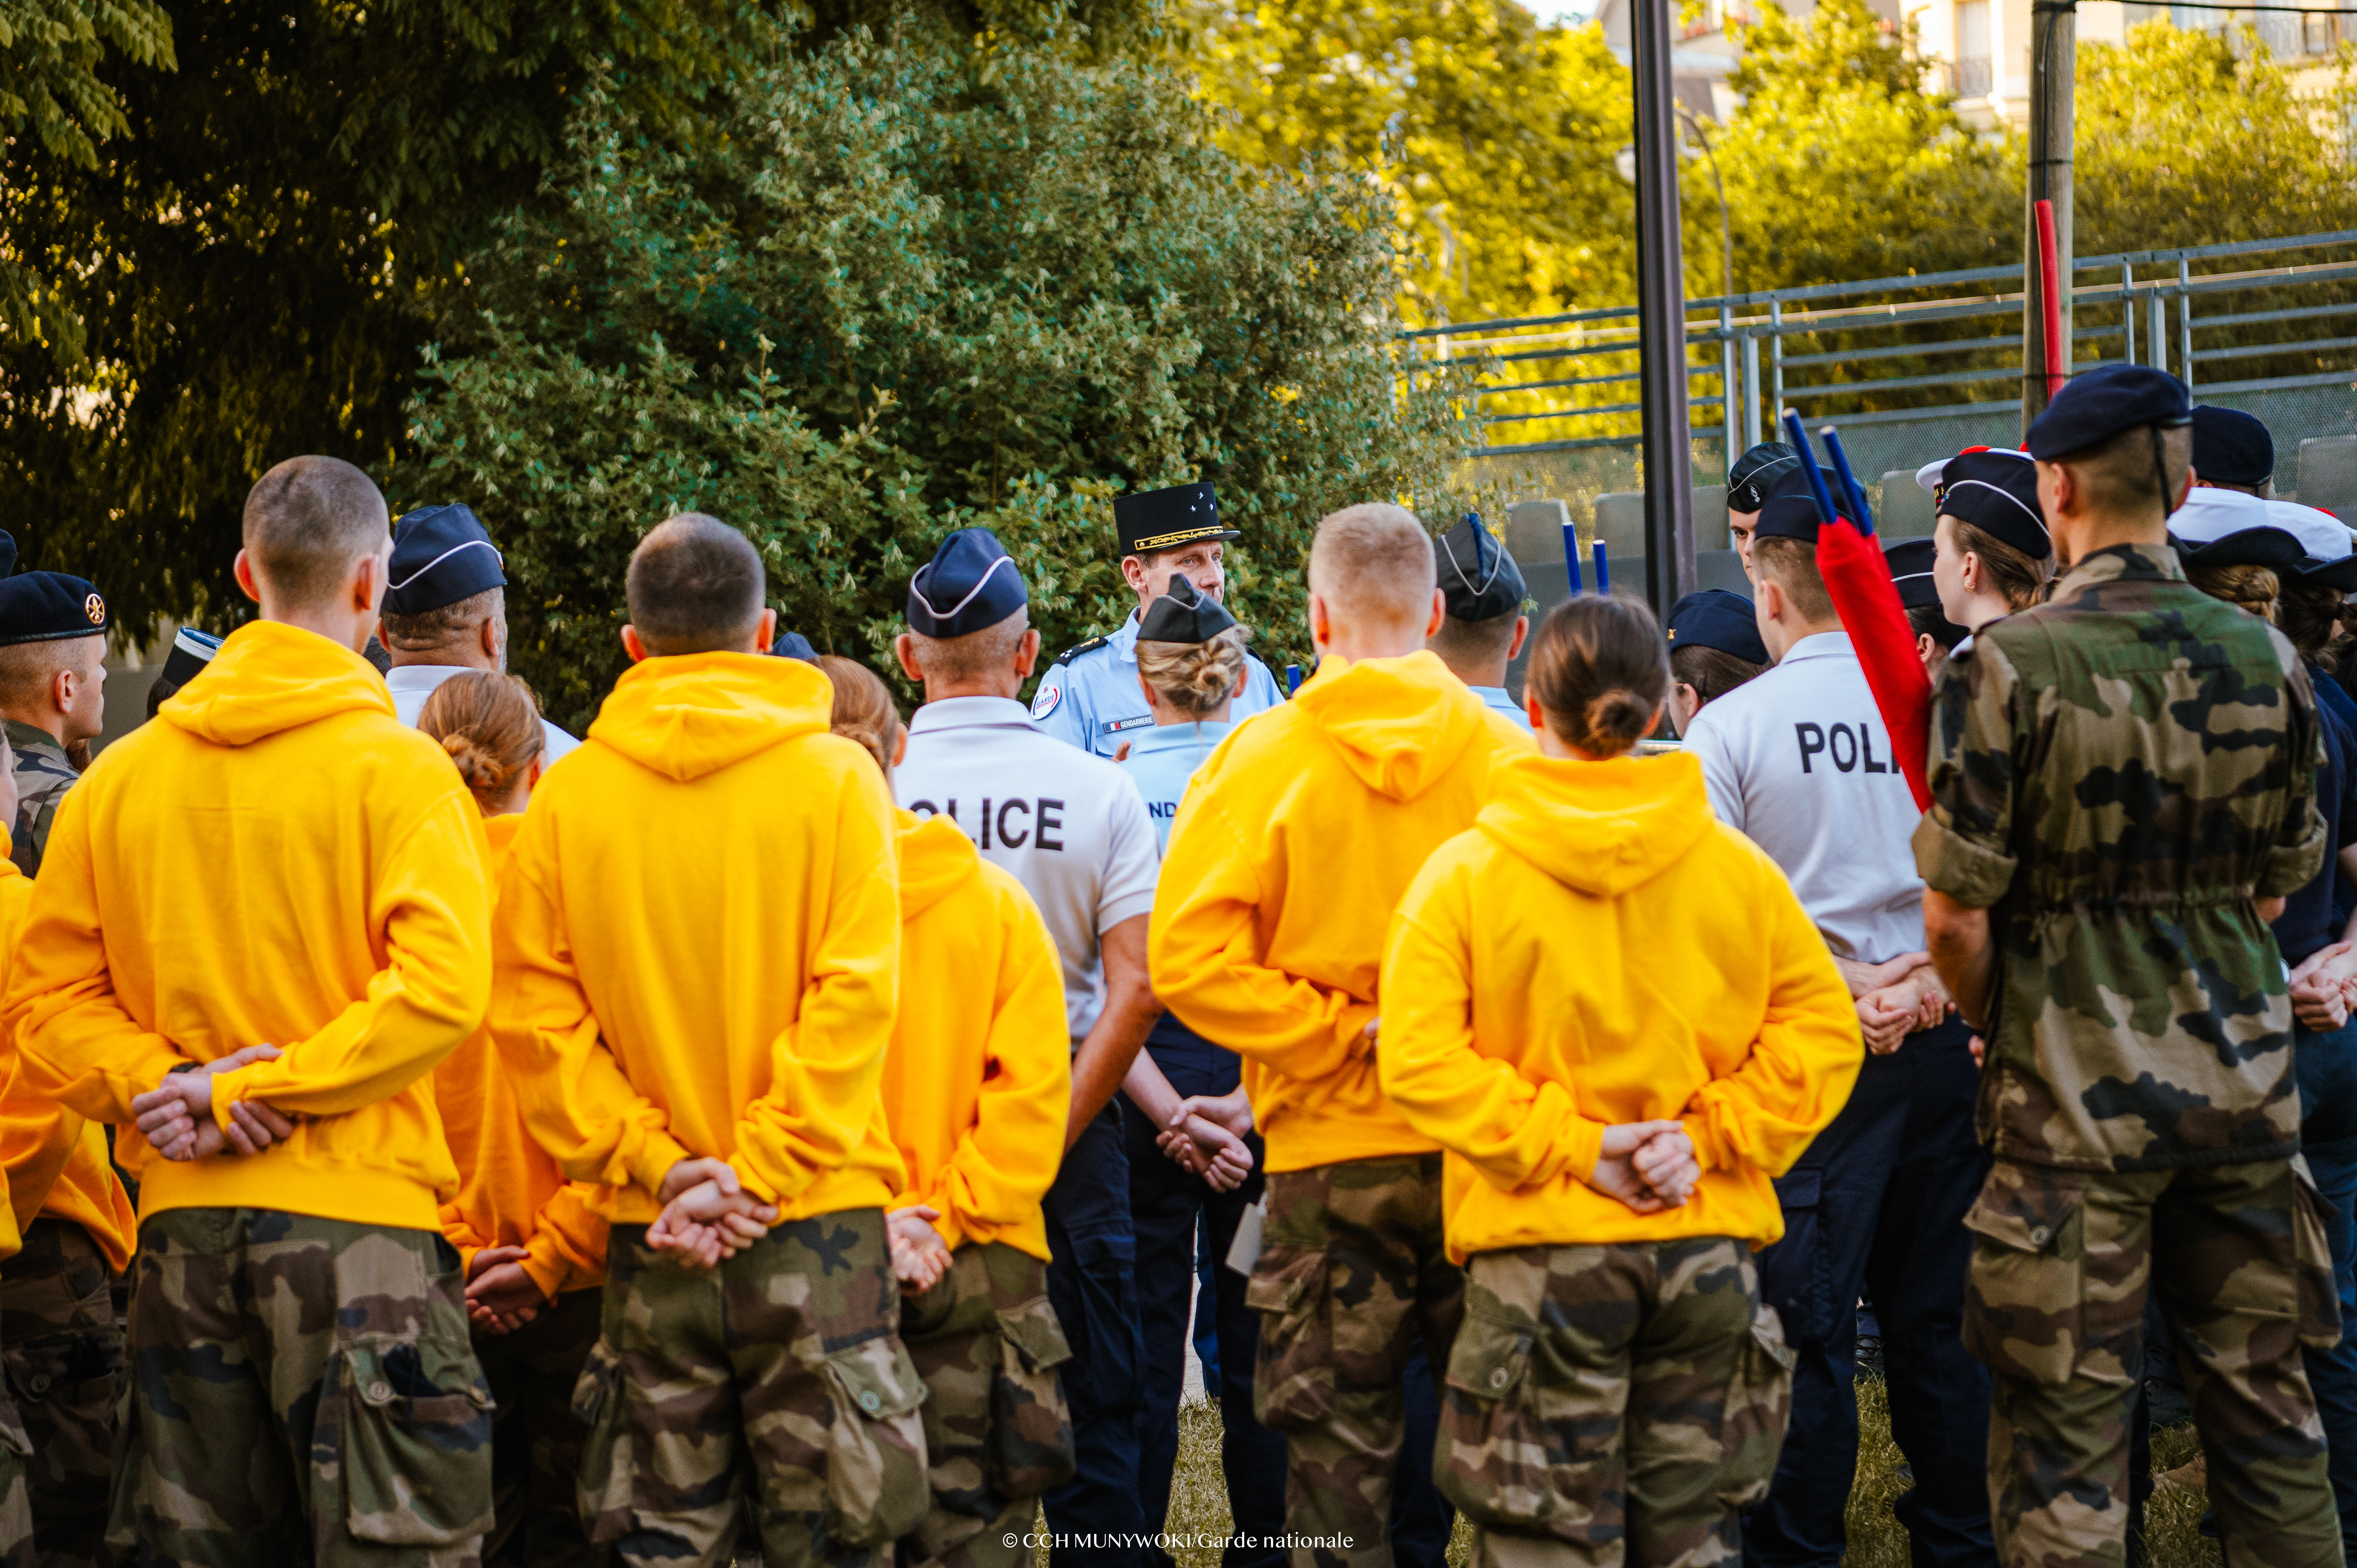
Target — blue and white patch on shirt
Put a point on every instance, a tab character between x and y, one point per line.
1044	701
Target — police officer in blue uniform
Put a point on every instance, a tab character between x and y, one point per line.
1090	696
1482	625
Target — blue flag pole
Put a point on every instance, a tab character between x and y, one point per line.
1809	466
1292	679
1571	553
1855	497
1603	572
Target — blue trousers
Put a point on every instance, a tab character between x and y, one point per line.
1175	1215
2325	1067
1877	1203
1092	1284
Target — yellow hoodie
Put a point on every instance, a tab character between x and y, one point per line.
978	1080
1290	853
699	942
1602	950
511	1194
56	1161
277	859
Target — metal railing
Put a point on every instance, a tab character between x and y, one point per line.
1880	349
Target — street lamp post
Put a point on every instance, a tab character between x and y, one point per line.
1668	446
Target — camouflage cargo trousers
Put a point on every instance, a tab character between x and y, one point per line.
2062	1262
777	1380
1613	1401
64	1360
16	1496
536	1440
997	1432
1351	1271
302	1390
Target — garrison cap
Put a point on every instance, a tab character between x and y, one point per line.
46	607
1910	569
971	583
1150	521
1755	475
1479	579
1997	493
794	645
1789	516
2093	408
1716	618
2230	446
1185	613
2329	563
1930	477
191	651
2227	528
440	555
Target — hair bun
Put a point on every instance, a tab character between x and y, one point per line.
476	768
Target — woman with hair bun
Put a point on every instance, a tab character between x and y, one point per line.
1613	1015
1192	665
533	1246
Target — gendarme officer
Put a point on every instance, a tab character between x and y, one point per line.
1090	697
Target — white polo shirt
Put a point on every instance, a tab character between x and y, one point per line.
1798	761
1070	827
411	684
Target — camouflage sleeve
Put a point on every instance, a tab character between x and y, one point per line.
1963	845
2296	851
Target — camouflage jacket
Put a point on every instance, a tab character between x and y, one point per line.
2116	775
43	777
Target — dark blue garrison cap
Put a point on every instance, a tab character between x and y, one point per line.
1760	474
1183	614
1789	516
1910	569
1478	580
794	645
1997	493
2231	448
2093	408
970	584
440	556
1716	618
46	607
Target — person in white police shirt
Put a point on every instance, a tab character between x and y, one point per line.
444	612
1482	625
1074	832
1799	760
1090	696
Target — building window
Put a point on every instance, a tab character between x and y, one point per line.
1974	78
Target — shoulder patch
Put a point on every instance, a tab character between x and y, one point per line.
1044	701
1090	646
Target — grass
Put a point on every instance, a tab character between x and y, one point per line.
1199	1502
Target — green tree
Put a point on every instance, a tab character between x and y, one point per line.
909	285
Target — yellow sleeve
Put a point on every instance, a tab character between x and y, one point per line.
1205	954
431	899
827	1067
36	1134
1515	1131
1003	1166
78	1045
459	1233
1799	1073
567	1250
577	1099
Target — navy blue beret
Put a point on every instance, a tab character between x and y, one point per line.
1789	516
1150	521
1716	618
794	645
970	584
440	555
46	607
1756	475
2093	408
1183	614
1479	579
1997	493
2231	448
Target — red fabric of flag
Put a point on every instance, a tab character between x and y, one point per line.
1859	578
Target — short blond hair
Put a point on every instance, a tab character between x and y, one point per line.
1372	565
1792	566
26	669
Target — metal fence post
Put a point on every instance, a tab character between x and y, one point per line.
1751	392
1776	362
2184	322
1729	420
2128	313
2157	326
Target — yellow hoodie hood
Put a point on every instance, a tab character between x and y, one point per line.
936	860
694	714
269	678
1399	724
1600	826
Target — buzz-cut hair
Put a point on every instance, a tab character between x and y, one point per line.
1474	641
1792	564
430	630
28	669
307	521
1372	565
975	656
694	586
2121	477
